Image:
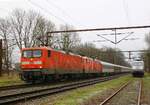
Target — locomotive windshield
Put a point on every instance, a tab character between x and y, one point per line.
137	63
32	53
37	53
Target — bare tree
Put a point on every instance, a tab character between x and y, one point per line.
42	27
68	40
147	54
27	27
87	49
147	39
7	42
22	26
17	21
105	54
30	23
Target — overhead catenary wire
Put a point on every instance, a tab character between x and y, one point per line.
125	6
47	11
124	37
116	42
62	11
119	33
106	40
101	29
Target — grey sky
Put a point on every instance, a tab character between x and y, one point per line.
91	14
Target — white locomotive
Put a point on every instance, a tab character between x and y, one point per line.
138	68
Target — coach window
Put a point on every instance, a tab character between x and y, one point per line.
49	53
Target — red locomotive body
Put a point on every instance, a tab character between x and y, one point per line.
45	63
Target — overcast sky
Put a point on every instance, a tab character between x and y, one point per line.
92	14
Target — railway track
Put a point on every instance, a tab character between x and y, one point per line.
30	85
2	88
12	98
26	85
109	100
140	93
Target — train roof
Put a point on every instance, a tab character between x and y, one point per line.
85	57
31	48
114	65
49	48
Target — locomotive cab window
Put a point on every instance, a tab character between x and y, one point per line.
27	54
49	53
37	53
32	53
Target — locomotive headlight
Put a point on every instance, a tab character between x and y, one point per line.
25	62
37	62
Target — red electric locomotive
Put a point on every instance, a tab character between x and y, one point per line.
43	63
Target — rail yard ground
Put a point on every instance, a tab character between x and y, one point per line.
94	94
146	90
80	96
11	79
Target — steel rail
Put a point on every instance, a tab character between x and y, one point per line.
2	88
51	90
111	96
140	93
25	85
